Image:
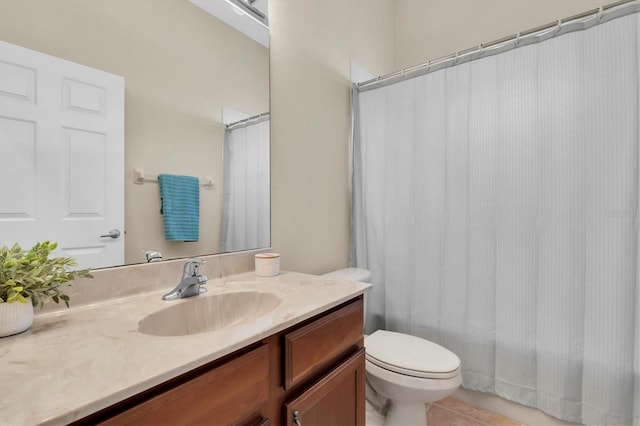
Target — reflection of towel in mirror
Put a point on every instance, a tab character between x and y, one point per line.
180	197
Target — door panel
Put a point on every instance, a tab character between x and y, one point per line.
18	82
17	195
83	97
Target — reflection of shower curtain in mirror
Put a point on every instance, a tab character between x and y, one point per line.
246	207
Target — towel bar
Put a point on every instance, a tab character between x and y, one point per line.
140	179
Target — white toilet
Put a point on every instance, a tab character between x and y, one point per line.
408	371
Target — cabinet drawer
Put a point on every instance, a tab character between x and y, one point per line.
313	347
230	394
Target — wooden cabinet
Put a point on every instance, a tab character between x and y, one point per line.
337	399
235	392
313	347
314	369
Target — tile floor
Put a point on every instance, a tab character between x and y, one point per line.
451	412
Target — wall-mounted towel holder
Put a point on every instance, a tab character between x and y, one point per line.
140	179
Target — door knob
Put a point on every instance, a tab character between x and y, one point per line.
114	233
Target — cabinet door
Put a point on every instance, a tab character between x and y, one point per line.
231	394
337	399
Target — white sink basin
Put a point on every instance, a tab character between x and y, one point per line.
200	314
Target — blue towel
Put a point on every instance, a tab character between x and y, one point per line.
180	196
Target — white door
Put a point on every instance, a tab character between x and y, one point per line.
61	156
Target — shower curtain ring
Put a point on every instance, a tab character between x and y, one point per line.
599	15
558	26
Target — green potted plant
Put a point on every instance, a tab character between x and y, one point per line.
29	279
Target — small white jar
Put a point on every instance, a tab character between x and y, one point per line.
267	264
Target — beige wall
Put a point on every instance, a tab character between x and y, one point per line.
176	60
312	43
430	29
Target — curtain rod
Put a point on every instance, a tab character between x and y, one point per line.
577	22
246	121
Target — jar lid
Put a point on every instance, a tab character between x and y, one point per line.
267	255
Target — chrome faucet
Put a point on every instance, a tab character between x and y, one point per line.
191	283
153	256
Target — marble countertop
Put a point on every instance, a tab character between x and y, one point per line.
73	363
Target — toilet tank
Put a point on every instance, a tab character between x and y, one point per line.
351	274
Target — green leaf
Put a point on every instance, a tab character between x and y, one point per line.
33	274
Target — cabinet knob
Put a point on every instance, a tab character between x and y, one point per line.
296	420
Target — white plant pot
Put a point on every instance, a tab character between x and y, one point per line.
15	317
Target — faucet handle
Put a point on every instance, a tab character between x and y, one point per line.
192	266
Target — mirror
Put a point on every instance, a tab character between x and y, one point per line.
182	67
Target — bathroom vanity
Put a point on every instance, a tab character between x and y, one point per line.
313	372
302	360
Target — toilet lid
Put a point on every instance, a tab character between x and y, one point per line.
411	355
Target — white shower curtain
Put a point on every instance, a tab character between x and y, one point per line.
246	213
496	204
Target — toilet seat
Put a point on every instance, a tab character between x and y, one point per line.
411	355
